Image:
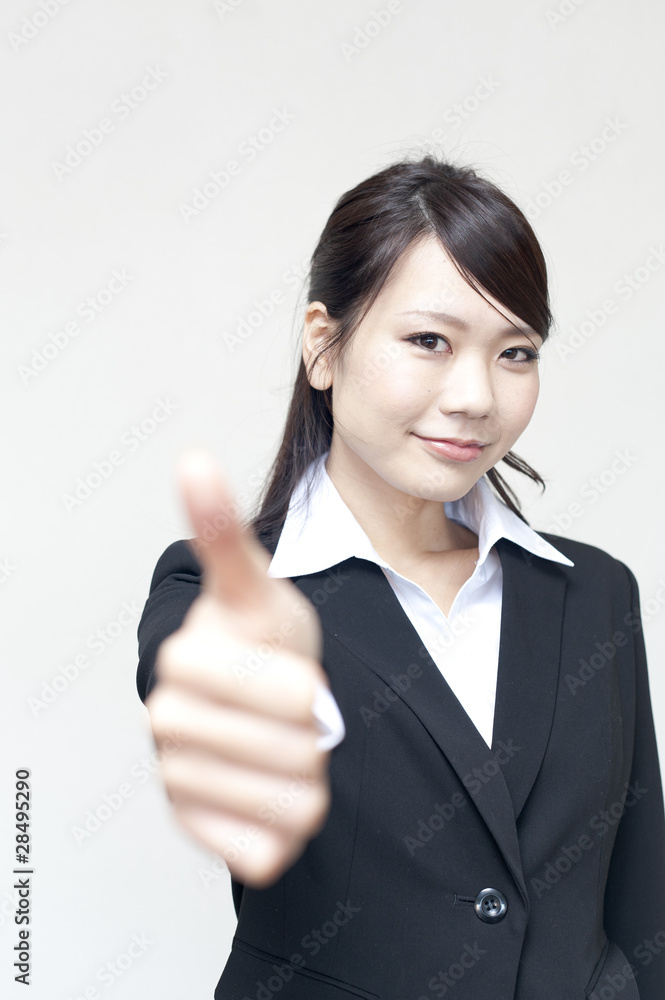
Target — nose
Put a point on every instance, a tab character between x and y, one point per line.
467	387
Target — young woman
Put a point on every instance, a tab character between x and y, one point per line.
418	731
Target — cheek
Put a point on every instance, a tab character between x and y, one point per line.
519	403
404	390
376	394
396	400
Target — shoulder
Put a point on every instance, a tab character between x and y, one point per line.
177	562
592	563
581	553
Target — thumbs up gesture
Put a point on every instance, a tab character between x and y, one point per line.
237	682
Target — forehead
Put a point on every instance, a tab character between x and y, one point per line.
426	278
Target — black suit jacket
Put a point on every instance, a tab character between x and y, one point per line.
562	819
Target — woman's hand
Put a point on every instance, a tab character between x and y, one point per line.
235	684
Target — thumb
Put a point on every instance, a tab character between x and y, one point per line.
234	562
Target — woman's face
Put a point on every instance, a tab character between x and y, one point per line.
410	375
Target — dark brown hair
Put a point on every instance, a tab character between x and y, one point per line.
489	240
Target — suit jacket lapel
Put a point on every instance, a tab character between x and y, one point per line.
532	612
366	616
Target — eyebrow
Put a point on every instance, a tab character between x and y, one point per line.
451	320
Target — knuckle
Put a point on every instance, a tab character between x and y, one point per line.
315	807
160	712
167	718
297	672
169	655
295	808
176	775
262	872
314	761
309	810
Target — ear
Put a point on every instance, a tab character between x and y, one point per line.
318	329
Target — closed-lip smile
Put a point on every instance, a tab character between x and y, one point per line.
458	441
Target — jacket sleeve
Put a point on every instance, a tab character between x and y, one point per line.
175	584
634	911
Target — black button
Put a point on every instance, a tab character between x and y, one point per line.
490	905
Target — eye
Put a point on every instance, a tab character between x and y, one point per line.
530	355
429	341
436	337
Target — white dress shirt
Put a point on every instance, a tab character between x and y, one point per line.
464	645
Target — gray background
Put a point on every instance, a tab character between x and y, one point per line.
556	79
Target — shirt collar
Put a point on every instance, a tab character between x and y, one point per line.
322	532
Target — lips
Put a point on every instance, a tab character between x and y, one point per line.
460	442
454	449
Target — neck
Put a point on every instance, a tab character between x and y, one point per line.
400	526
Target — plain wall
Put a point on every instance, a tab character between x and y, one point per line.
516	89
